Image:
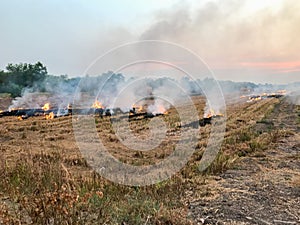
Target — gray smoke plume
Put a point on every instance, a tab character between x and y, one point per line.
56	90
218	29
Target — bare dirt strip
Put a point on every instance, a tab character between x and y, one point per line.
263	187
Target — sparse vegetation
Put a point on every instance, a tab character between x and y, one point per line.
44	191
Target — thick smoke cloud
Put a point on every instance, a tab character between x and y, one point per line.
233	41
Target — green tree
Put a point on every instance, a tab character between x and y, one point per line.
18	76
26	75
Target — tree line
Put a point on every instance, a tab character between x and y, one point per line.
16	77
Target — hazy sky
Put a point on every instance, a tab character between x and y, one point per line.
249	40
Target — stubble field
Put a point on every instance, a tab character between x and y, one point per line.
45	179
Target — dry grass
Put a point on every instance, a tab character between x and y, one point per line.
45	180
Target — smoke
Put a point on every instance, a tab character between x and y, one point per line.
238	45
124	92
234	42
132	93
168	93
157	94
294	93
212	91
223	29
295	98
29	99
56	90
111	90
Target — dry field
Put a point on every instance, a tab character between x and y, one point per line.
45	180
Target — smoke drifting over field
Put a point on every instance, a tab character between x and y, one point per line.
56	90
125	92
118	92
112	90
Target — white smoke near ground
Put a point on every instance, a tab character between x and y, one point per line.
158	107
287	89
214	102
114	91
131	94
168	93
294	93
158	95
28	99
295	98
124	92
57	92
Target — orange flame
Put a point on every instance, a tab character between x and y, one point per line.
50	116
139	108
210	113
255	99
158	109
20	118
12	109
46	107
97	105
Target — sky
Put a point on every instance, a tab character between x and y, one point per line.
240	40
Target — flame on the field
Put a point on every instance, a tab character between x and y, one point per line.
46	107
97	105
50	116
212	113
161	109
138	108
157	109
